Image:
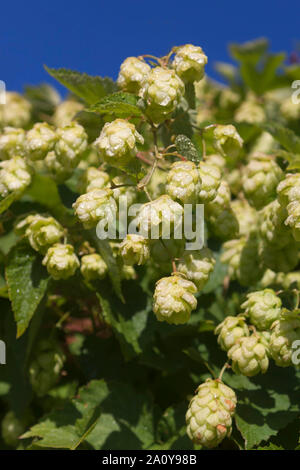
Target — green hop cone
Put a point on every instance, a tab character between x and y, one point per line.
265	337
184	182
95	179
189	62
288	190
40	140
46	366
282	259
117	143
272	225
211	179
93	267
243	259
12	143
263	308
174	299
42	232
57	170
61	261
197	266
71	143
16	112
249	356
221	219
161	91
250	111
12	427
231	330
227	141
134	249
285	334
246	215
94	206
209	415
157	216
15	176
260	179
133	72
293	219
65	112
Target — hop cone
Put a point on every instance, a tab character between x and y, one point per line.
42	232
263	308
288	190
71	143
16	112
93	267
133	73
189	63
230	331
209	416
282	259
95	179
197	266
61	261
184	182
246	215
285	331
260	180
272	225
15	175
94	206
12	143
174	299
227	141
162	90
211	179
40	140
249	356
134	249
66	112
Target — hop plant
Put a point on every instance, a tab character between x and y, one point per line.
246	215
94	206
263	308
189	62
209	415
95	179
174	299
57	170
197	266
16	112
285	331
132	74
93	267
250	111
45	368
184	182
61	261
12	143
272	225
134	249
15	176
293	219
70	145
249	356
40	140
117	143
41	232
161	91
230	330
65	112
211	179
243	259
288	190
159	215
221	219
227	141
123	185
260	179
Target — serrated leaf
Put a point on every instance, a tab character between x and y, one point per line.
90	88
286	137
104	416
27	282
120	104
187	149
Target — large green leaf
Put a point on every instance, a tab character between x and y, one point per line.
186	148
119	104
286	137
27	282
90	88
103	416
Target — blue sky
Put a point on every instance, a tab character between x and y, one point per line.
96	36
